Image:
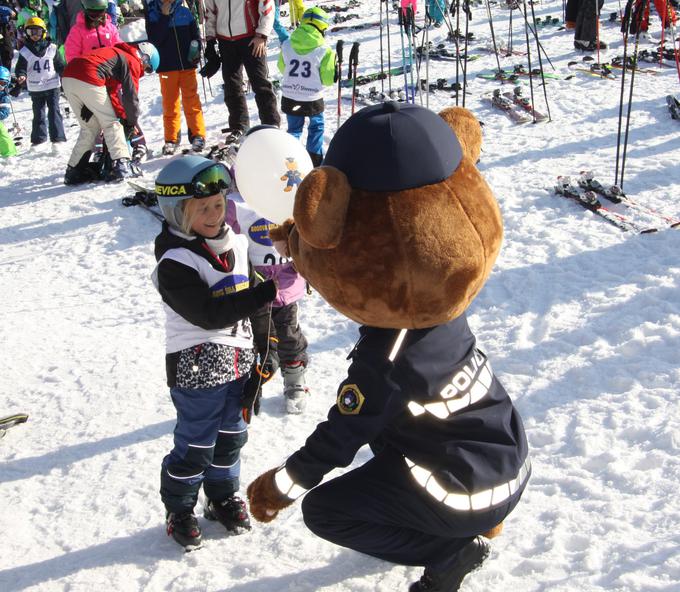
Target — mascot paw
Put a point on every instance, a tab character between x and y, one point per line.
265	499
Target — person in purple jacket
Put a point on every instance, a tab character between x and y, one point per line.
290	352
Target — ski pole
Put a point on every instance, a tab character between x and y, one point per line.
382	61
540	65
625	21
389	49
630	98
338	75
493	36
353	63
468	18
403	52
457	5
531	74
409	34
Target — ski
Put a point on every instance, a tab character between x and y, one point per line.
357	27
614	194
673	106
10	421
589	201
513	73
599	70
373	76
508	107
374	96
525	103
444	54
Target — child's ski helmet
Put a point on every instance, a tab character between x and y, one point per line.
187	177
149	55
36	22
316	16
95	5
5	75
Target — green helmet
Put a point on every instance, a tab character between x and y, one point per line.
316	16
96	5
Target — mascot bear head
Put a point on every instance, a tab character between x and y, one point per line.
398	229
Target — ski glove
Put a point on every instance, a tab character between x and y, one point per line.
212	60
85	114
265	499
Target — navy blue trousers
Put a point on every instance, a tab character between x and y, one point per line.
54	121
208	438
380	510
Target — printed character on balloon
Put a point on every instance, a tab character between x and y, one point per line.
288	345
399	231
292	175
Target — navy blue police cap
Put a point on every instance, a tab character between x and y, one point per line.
393	147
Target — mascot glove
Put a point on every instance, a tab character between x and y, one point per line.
266	501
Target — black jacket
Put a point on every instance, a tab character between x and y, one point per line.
476	447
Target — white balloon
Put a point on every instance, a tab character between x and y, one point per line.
270	165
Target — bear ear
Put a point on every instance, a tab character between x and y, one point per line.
321	205
467	130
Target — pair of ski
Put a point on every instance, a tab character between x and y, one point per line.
515	106
10	421
512	74
599	70
374	96
586	191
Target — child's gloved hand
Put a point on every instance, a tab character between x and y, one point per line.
265	498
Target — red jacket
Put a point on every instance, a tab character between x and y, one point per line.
119	68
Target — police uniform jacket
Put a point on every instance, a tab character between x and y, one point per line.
437	404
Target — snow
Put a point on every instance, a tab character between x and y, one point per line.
580	320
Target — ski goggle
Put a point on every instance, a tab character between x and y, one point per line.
146	62
95	14
35	31
206	183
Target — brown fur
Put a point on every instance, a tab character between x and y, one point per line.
494	532
467	129
408	259
265	499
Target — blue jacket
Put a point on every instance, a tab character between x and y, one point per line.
5	15
171	34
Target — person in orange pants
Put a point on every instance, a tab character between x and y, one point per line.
172	85
174	31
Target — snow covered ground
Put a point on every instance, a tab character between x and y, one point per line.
580	320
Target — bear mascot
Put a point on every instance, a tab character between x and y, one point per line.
399	231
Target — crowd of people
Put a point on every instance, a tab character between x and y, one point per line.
76	49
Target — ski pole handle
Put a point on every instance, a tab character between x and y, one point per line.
338	50
353	61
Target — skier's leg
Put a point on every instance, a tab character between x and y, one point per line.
39	129
54	117
295	125
256	68
315	138
191	104
199	414
171	116
222	475
232	74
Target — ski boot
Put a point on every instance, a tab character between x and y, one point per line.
294	389
120	169
83	172
139	152
198	144
449	578
184	528
231	513
169	148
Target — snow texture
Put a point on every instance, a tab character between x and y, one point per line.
580	320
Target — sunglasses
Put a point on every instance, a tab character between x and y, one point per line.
210	181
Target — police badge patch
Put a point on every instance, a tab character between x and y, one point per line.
350	400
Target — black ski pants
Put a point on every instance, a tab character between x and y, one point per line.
380	510
55	123
235	56
586	14
292	346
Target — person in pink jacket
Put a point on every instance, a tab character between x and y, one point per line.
93	29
